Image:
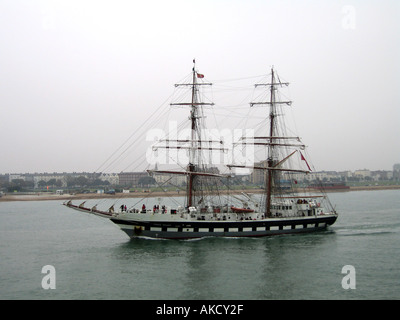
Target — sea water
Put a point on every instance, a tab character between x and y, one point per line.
91	258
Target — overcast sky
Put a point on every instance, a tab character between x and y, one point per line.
77	78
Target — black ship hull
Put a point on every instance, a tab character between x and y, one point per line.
199	229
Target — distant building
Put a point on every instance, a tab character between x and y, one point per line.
396	171
131	179
381	175
365	173
12	177
112	178
345	174
46	177
170	179
257	177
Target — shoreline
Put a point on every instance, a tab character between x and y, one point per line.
40	196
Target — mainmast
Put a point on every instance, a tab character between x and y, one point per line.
271	170
270	146
273	141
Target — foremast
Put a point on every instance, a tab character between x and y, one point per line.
195	136
193	169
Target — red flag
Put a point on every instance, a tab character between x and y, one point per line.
199	75
302	158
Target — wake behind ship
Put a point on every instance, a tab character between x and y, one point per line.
206	212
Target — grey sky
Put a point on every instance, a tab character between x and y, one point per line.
78	77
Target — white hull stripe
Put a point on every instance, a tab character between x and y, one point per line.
216	230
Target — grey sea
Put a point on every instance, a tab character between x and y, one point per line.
91	258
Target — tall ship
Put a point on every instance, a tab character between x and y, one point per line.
209	207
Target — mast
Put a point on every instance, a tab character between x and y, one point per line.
270	147
192	155
194	144
195	139
271	144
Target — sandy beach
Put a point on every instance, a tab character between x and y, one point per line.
41	196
